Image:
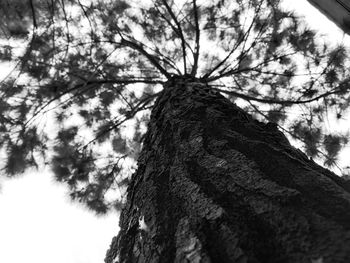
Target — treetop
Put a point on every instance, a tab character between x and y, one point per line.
86	74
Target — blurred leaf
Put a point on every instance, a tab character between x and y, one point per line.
68	134
311	137
6	53
16	160
119	145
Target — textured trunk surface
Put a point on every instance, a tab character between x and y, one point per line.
214	185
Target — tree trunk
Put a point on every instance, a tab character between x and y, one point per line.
214	185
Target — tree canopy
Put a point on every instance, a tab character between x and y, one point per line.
86	73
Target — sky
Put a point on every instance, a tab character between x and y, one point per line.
38	223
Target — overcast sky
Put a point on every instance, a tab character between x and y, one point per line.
39	225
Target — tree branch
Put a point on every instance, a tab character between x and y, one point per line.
162	57
276	101
151	58
239	41
138	107
254	68
197	46
33	13
88	83
183	42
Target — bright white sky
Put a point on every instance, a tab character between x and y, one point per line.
38	224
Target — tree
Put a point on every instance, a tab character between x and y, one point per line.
212	184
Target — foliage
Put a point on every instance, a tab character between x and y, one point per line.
92	69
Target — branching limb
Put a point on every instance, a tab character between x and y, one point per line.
240	40
174	29
180	32
151	58
197	46
141	105
276	101
255	68
33	13
87	17
165	59
91	83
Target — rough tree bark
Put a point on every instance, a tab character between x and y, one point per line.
214	185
